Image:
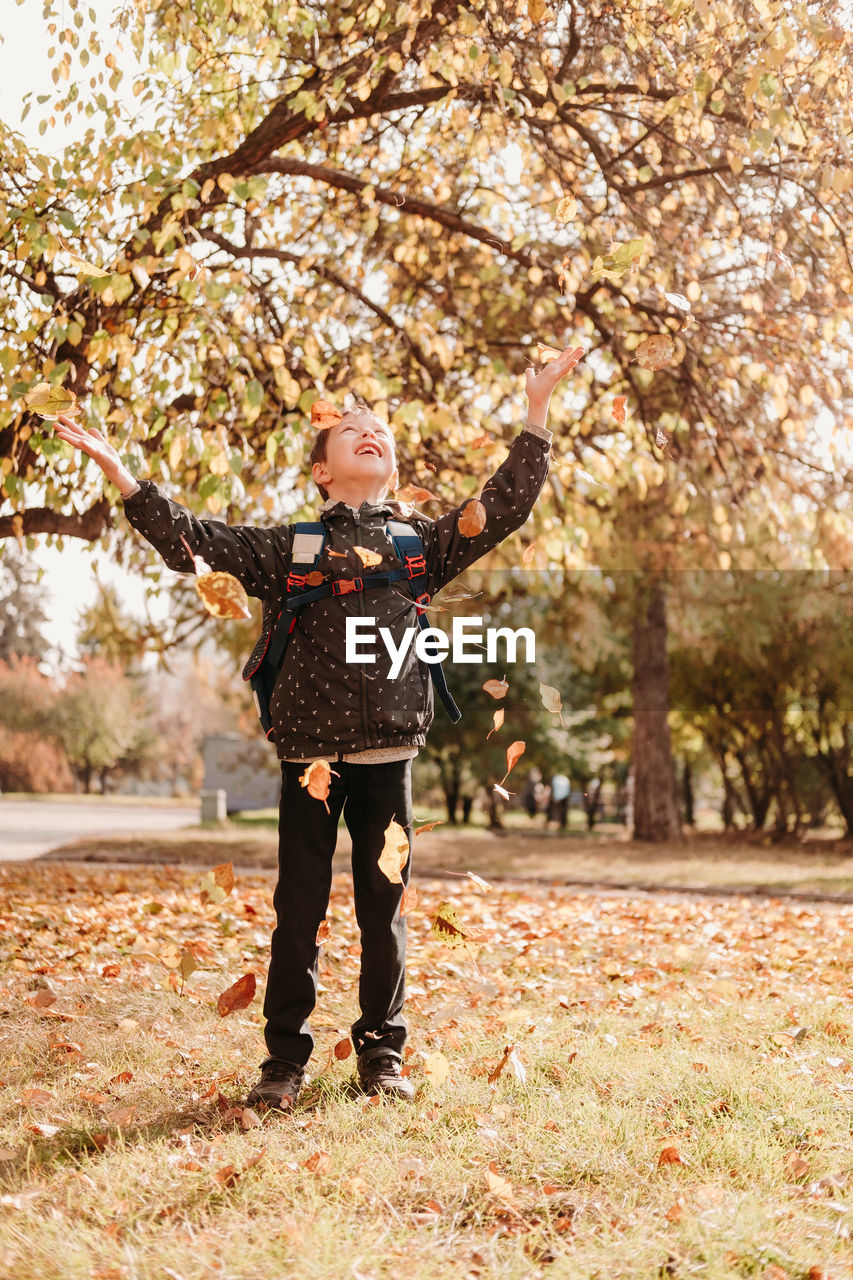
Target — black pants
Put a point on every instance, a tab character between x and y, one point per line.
370	796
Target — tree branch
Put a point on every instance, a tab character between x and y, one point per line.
88	525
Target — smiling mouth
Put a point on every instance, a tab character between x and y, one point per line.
369	448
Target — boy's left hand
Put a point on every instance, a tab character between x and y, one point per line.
540	385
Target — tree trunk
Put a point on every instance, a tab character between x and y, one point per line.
655	809
687	795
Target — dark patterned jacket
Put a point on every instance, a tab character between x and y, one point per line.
321	703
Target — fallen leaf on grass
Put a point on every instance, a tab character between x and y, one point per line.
498	1185
796	1166
436	1069
670	1155
510	1059
238	996
123	1077
318	1162
35	1098
43	1130
343	1049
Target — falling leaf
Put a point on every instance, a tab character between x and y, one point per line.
545	354
409	901
367	557
528	553
324	415
413	493
395	852
620	410
223	596
436	1069
472	519
216	885
140	275
324	932
656	352
479	882
343	1049
678	300
567	210
238	996
49	401
428	826
497	721
496	688
551	699
498	1185
514	752
661	439
317	778
483	441
448	928
621	258
501	790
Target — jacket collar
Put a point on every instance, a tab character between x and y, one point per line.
388	507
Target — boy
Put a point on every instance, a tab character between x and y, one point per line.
366	725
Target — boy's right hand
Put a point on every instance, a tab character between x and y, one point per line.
91	441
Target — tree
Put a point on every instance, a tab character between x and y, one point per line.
22	612
30	757
100	720
400	201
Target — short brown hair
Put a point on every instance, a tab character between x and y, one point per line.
353	404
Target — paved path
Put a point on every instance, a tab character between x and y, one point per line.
29	828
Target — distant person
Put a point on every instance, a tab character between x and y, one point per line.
531	795
559	807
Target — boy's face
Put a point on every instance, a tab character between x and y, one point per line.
360	461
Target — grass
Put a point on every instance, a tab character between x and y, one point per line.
686	1109
710	862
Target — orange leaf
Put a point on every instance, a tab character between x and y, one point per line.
670	1155
620	410
529	553
317	778
239	996
217	884
483	441
409	900
223	596
428	826
343	1049
413	493
324	415
324	932
514	752
318	1162
497	688
472	519
498	719
656	352
367	557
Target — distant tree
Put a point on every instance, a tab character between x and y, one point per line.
31	758
22	611
100	721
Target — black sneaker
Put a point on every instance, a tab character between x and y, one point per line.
279	1085
380	1073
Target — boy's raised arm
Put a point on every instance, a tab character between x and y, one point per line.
509	496
258	558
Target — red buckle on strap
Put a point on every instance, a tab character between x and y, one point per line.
343	586
296	580
415	565
421	602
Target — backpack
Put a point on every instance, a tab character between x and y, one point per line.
308	540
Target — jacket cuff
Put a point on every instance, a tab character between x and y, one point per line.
125	497
542	432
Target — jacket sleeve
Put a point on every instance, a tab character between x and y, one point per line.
508	498
258	558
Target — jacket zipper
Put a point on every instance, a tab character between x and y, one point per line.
362	673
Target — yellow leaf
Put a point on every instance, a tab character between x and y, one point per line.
551	699
448	928
367	557
436	1069
49	401
567	209
395	852
498	1185
223	596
